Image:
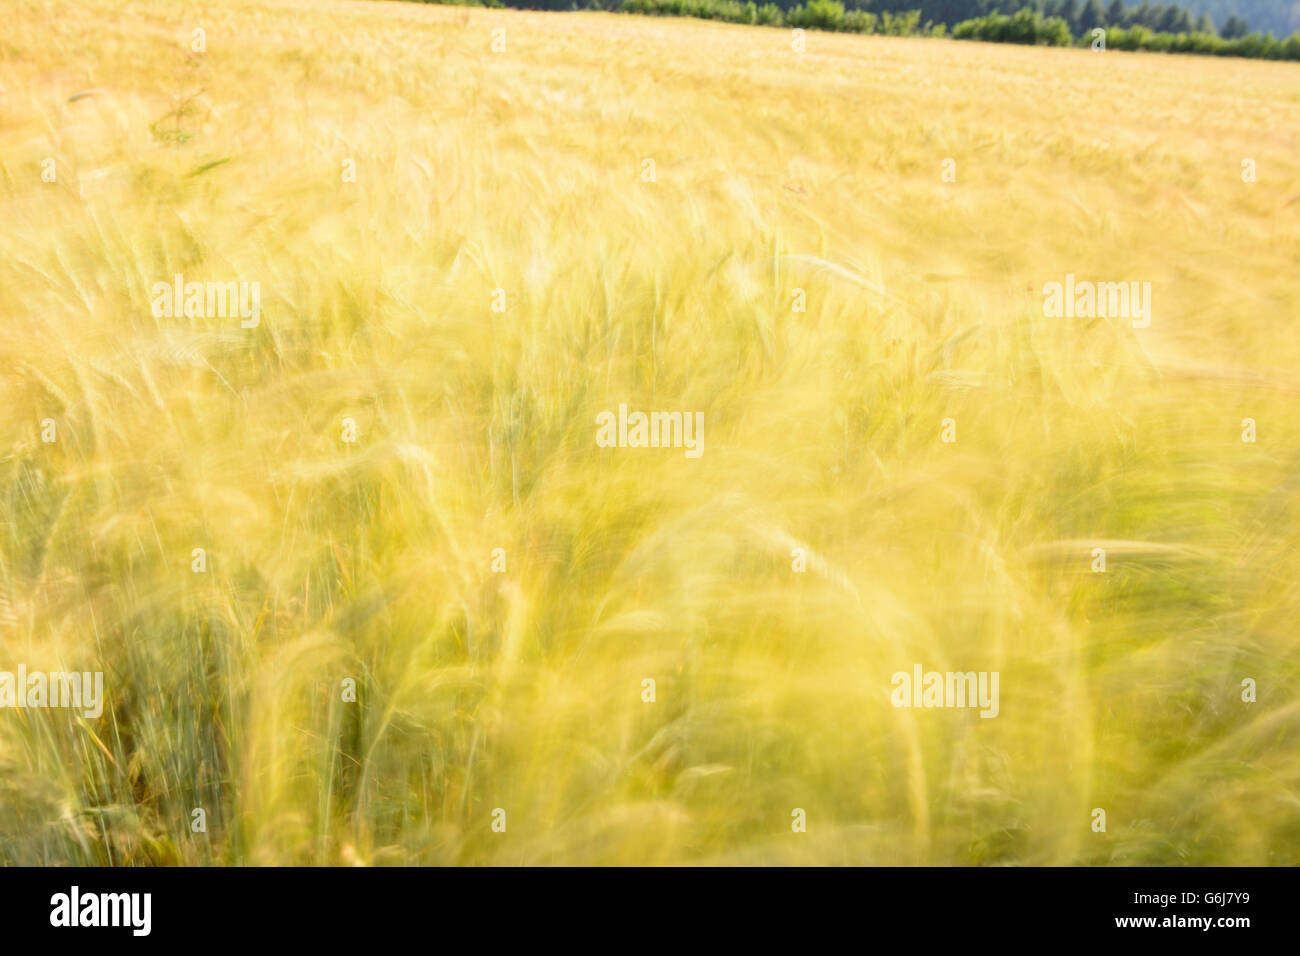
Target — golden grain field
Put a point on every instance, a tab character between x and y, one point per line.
463	259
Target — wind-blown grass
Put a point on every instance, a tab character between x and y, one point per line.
521	170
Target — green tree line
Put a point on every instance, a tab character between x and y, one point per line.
1124	28
1162	28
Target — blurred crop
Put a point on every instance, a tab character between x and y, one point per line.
371	560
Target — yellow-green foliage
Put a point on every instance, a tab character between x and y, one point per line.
522	170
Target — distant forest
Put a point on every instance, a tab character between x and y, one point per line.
1227	18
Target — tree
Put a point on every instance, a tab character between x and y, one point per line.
1205	24
1234	27
1116	14
1070	14
1091	17
1175	20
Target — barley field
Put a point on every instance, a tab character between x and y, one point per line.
365	589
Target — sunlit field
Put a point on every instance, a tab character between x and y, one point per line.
362	585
